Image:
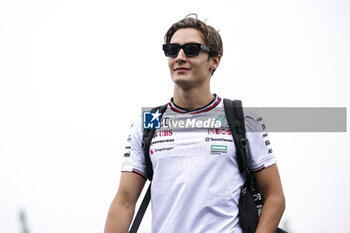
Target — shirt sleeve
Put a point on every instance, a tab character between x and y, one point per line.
134	160
259	149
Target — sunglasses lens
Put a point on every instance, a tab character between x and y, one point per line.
192	50
171	50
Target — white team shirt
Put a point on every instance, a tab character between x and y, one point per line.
196	182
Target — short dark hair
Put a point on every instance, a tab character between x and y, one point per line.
210	35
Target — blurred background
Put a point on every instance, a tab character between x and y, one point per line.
73	75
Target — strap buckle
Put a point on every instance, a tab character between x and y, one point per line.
243	143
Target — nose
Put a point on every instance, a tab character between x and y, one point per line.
181	56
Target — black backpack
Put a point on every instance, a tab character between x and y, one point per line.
249	207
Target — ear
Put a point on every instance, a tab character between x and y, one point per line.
214	62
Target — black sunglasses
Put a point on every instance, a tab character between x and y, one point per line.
190	49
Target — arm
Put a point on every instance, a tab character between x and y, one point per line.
122	208
271	187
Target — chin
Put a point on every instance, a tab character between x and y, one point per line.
182	82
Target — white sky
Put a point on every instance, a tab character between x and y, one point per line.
74	73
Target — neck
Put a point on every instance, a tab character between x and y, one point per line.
191	99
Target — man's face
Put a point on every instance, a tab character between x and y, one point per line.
188	72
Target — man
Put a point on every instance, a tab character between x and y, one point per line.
196	182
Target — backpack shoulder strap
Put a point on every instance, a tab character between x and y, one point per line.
141	212
235	119
146	142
